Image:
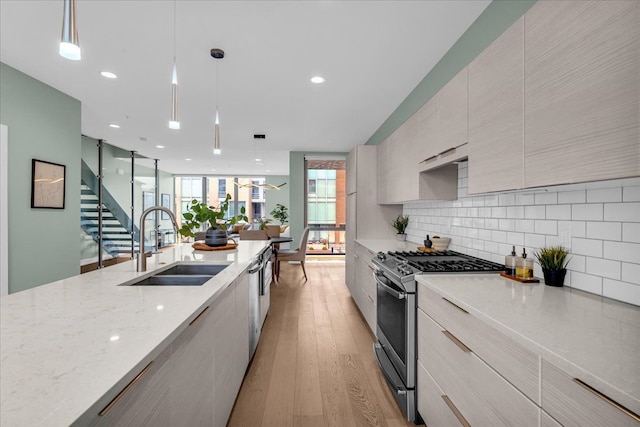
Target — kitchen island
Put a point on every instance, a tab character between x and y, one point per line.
70	346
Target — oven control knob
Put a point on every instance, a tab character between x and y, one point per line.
381	256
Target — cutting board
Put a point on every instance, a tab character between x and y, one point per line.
423	249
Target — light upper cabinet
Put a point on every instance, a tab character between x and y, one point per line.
582	91
496	109
453	113
351	172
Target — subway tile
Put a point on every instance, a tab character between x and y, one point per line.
525	199
515	238
484	212
559	212
534	212
621	291
631	194
467	222
515	212
478	201
504	248
499	212
578	228
507	224
622	251
628	212
491	200
525	225
534	240
546	227
477	245
553	241
604	230
463	171
631	232
493	248
587	247
478	223
586	282
546	198
599	195
506	199
456	221
577	263
492	223
499	236
578	196
462	212
497	258
484	234
466	202
603	267
462	192
472	233
472	212
587	212
631	273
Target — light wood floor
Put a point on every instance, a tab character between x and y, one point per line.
314	365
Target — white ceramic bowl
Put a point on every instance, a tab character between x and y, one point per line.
441	243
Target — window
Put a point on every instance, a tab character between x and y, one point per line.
257	210
222	188
255	191
312	186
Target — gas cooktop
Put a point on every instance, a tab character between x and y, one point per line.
444	262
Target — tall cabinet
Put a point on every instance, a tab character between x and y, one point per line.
366	219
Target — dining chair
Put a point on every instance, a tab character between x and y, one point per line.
295	254
253	235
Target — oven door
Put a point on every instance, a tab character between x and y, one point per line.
396	326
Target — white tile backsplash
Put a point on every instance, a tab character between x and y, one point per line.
599	222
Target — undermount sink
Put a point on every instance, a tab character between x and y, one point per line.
182	275
191	269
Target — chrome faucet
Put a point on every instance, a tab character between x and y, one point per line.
142	255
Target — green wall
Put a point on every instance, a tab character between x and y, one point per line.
297	181
44	124
274	197
495	19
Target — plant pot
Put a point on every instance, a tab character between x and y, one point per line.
401	237
215	237
554	277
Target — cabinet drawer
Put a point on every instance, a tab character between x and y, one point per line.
368	308
514	362
363	254
482	396
573	404
431	402
547	421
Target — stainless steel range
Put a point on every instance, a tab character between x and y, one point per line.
396	313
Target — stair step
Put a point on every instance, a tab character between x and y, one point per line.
94	210
109	232
117	239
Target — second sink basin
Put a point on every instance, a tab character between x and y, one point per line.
191	269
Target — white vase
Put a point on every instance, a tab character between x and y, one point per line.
401	237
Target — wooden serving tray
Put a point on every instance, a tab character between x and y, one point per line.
201	246
423	249
517	279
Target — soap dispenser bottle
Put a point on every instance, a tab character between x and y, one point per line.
524	266
510	262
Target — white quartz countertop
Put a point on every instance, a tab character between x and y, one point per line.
65	344
592	338
384	245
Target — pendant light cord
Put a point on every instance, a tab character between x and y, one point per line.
174	31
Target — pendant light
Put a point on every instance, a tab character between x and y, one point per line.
174	123
69	42
217	150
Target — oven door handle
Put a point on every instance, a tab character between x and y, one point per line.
398	295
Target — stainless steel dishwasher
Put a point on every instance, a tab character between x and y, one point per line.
255	325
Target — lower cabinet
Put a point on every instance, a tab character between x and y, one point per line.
434	405
364	289
195	380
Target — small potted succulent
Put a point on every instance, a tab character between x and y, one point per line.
553	261
400	224
201	213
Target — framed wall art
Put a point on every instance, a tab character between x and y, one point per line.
47	185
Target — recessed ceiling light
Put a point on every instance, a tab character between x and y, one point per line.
258	160
213	170
188	160
114	338
317	79
108	75
159	146
268	170
114	125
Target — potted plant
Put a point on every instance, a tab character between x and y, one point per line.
280	213
201	214
400	224
263	222
553	261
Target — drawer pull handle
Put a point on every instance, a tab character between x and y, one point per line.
456	305
198	316
455	411
607	399
457	342
124	390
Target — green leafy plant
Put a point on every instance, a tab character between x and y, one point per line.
263	223
401	223
201	213
280	213
552	258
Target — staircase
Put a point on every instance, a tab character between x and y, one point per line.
116	239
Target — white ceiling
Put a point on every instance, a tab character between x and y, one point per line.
372	54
